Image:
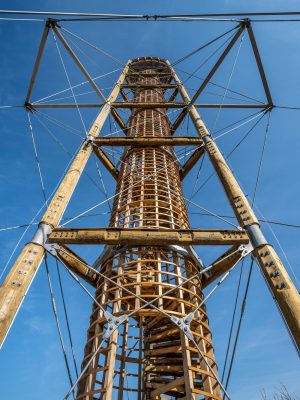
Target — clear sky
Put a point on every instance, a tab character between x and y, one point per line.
32	365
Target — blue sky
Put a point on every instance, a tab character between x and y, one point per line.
31	352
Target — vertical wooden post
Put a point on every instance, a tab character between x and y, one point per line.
18	280
271	266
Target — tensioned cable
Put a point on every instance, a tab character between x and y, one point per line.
229	154
202	47
251	266
9	228
228	84
61	124
147	16
77	85
232	320
66	317
260	113
94	47
77	95
33	220
68	79
54	137
57	323
218	85
37	158
192	74
239	323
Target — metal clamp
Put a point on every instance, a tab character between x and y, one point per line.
52	248
246	249
184	324
113	323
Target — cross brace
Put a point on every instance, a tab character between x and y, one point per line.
147	141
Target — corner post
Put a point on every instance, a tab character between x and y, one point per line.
281	285
17	283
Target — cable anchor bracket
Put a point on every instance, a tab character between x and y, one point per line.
184	324
52	248
113	323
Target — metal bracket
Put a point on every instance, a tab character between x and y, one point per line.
29	107
90	138
256	236
246	249
113	323
184	324
52	248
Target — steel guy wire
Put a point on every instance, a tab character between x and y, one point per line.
66	318
61	124
77	95
58	324
229	154
33	220
203	47
94	47
221	95
84	53
232	320
228	84
37	158
54	137
68	79
207	59
77	85
242	124
220	86
240	322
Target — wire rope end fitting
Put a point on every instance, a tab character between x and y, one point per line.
90	139
52	23
29	107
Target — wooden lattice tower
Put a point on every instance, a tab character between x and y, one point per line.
149	336
149	353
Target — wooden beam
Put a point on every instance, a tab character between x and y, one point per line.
147	237
191	162
37	63
221	265
18	280
148	141
282	287
106	161
76	264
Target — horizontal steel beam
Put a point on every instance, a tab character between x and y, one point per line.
148	141
147	237
133	104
